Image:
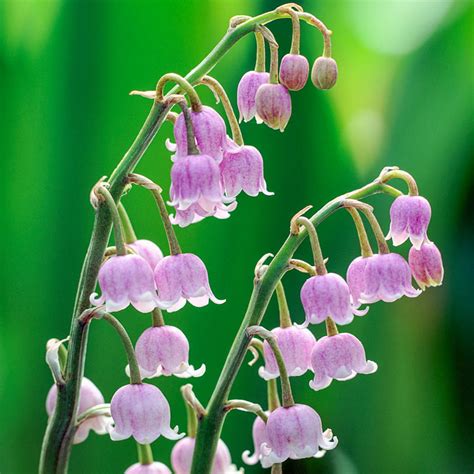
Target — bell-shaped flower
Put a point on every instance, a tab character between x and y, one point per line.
273	105
164	350
259	436
89	396
426	265
296	345
147	250
181	278
409	218
339	357
124	280
209	132
246	92
295	433
242	170
294	71
141	411
153	468
182	458
325	296
381	277
324	73
196	213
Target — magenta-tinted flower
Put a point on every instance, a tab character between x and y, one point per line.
295	433
273	105
182	458
426	265
381	277
141	411
296	345
196	213
89	396
339	357
242	170
259	436
209	132
294	71
124	280
153	468
147	250
164	350
409	218
246	92
325	296
181	278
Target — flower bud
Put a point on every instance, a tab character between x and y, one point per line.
153	468
294	71
426	265
339	357
147	250
141	411
259	436
246	92
324	73
273	105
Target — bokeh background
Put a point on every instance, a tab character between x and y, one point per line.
404	97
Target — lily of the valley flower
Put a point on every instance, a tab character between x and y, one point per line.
147	250
294	71
247	91
426	265
273	105
153	468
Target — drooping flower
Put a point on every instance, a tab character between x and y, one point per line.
426	265
381	277
409	218
153	468
141	411
294	71
324	73
195	213
209	132
242	170
164	350
296	345
182	458
246	92
259	436
295	433
125	280
273	105
339	357
147	250
181	278
326	296
89	396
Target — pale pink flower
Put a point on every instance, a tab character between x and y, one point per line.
294	71
246	92
426	265
273	103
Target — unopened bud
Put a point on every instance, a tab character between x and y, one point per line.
324	73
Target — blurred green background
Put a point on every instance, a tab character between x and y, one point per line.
404	97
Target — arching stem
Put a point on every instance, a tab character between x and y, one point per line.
315	246
365	248
377	230
128	232
285	319
184	84
260	52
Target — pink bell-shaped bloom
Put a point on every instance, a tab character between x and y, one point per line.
273	105
294	71
164	350
246	92
339	357
426	265
181	278
209	132
195	213
381	277
259	436
124	280
153	468
147	250
89	396
324	73
409	218
182	458
242	170
296	345
142	411
295	433
325	296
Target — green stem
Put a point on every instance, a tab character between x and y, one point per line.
135	377
272	395
277	469
315	246
145	455
365	249
157	318
184	84
260	53
190	138
403	175
285	318
192	420
331	328
273	63
377	230
128	232
295	39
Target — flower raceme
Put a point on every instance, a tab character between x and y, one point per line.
89	396
259	436
339	357
153	468
426	265
246	94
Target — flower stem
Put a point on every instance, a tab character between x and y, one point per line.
260	52
285	318
192	420
157	318
184	84
403	175
277	469
135	377
273	63
377	230
286	392
315	246
272	395
365	248
295	39
190	138
145	455
331	328
128	232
